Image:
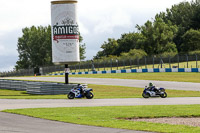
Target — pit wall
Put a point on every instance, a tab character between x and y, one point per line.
150	70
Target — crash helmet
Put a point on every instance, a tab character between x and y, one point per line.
150	84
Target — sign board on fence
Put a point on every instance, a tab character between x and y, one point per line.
65	32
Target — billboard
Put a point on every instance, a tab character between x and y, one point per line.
65	32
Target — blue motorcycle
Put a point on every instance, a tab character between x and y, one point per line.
154	92
80	92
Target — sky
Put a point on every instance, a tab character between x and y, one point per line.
98	20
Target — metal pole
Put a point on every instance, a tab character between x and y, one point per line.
187	60
153	61
196	62
145	60
111	64
66	74
178	61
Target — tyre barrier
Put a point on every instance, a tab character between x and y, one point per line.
38	88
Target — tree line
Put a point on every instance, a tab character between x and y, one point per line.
35	50
176	31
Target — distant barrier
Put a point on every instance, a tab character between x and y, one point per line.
40	88
150	70
151	62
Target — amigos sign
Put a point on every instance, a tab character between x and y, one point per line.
65	32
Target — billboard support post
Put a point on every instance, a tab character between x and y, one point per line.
66	74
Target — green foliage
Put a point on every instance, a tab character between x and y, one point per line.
191	41
82	48
157	37
134	54
196	52
35	48
167	34
108	48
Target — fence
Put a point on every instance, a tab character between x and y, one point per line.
178	61
41	88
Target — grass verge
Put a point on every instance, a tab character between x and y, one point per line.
182	77
107	116
100	92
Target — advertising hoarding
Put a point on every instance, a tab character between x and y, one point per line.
65	32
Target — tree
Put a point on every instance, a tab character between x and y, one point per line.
35	48
191	41
157	37
185	15
127	42
109	48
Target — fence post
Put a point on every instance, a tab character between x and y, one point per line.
145	60
169	61
138	63
187	60
88	64
104	64
130	63
161	62
124	63
98	64
117	63
111	64
178	60
79	66
153	61
196	61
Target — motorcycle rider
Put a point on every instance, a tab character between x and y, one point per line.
152	87
80	87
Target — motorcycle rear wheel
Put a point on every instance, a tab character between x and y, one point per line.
147	95
89	95
164	95
71	95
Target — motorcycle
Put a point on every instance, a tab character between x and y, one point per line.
80	92
155	92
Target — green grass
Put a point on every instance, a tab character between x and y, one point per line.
108	116
100	92
182	77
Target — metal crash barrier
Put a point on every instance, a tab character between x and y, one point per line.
39	88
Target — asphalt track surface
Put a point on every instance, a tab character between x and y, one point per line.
23	124
120	82
16	123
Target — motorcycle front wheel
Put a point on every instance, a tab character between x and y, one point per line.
71	95
145	95
164	95
89	95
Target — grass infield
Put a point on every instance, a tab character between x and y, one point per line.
182	77
108	116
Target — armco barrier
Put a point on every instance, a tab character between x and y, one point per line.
41	88
149	70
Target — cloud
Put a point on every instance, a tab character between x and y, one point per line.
107	22
98	21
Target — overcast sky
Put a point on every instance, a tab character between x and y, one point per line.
98	21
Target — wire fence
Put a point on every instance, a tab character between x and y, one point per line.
178	61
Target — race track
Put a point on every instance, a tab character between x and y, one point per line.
119	82
23	124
